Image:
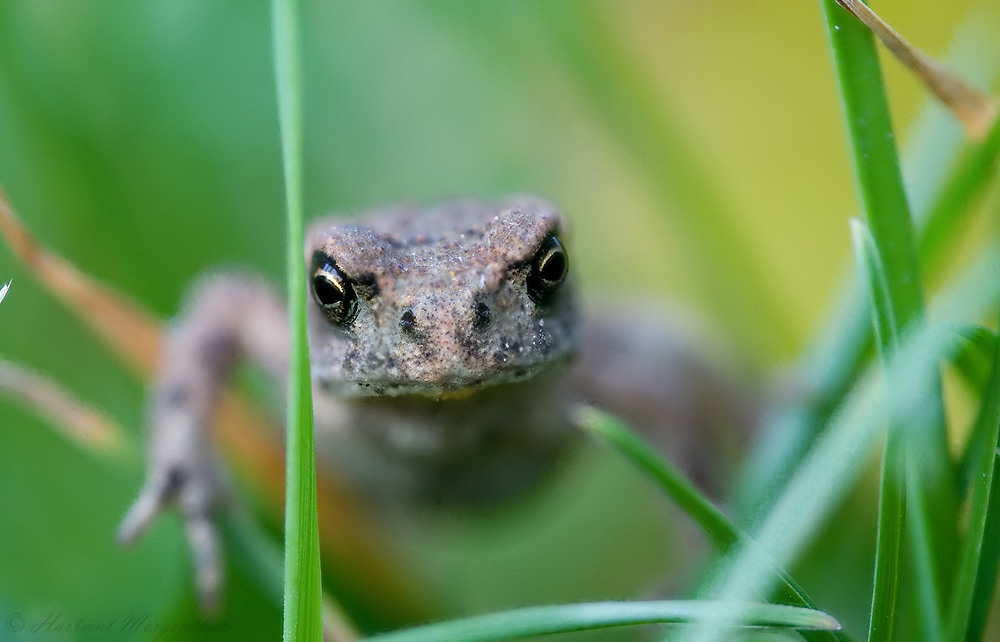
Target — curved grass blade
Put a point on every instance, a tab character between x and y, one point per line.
544	620
722	532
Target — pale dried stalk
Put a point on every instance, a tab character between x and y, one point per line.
76	420
131	332
973	108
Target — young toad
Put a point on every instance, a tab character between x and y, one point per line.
441	341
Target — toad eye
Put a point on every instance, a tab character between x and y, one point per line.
548	270
333	291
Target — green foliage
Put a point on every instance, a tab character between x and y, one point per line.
977	570
141	140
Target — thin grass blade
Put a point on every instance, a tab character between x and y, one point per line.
989	561
876	283
546	620
303	618
975	363
921	451
892	493
723	533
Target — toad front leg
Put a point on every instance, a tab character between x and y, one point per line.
228	318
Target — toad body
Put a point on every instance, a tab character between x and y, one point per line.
446	352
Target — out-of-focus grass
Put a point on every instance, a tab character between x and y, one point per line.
140	140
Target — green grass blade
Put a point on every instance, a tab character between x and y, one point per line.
303	588
255	550
840	349
892	493
969	179
722	532
545	620
720	529
889	543
876	164
842	451
873	275
975	361
989	561
977	570
930	609
924	441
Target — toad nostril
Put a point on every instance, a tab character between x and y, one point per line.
482	316
408	321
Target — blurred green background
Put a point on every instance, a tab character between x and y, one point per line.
697	148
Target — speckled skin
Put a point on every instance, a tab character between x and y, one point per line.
442	265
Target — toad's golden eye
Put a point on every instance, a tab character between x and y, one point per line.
333	291
548	270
